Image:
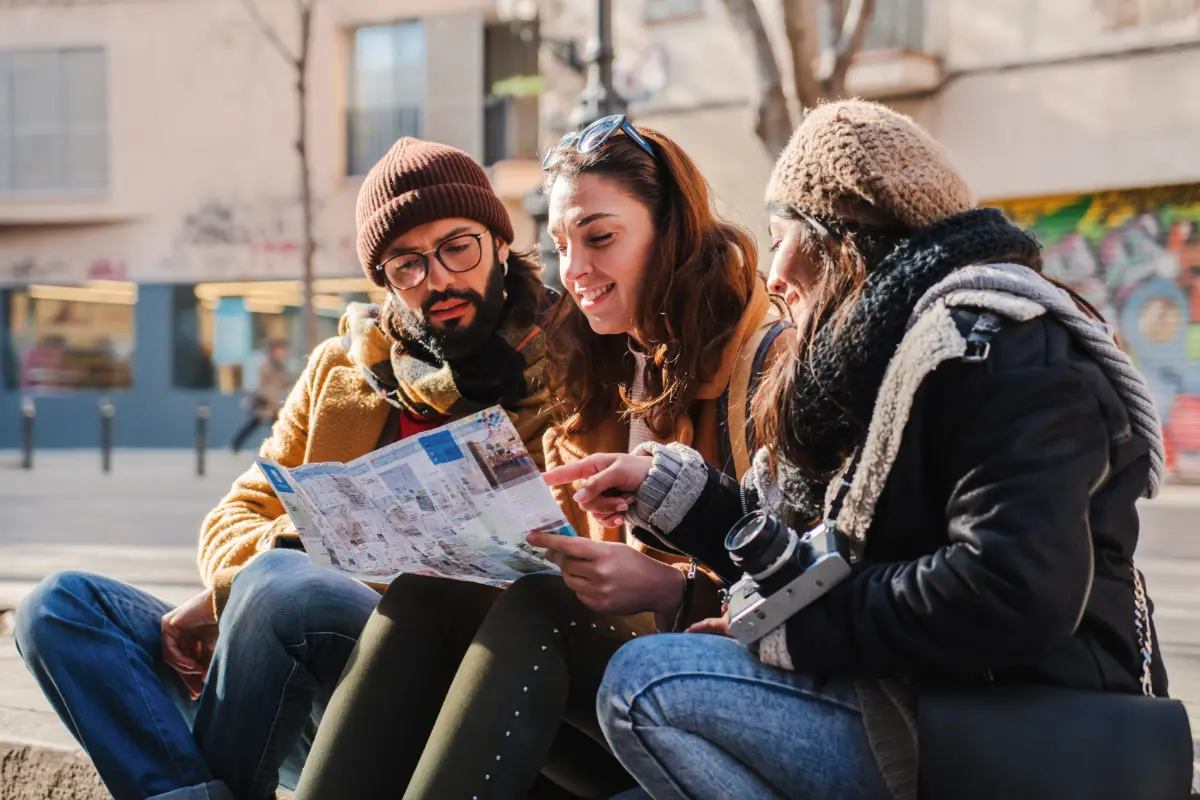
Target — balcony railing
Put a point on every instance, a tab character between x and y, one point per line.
371	131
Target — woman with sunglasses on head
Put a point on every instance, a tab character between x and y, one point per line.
460	690
973	440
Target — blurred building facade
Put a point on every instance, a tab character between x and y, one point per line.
1079	117
150	229
149	224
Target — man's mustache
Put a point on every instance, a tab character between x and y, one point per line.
474	298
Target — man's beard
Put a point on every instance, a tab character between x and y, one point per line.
456	340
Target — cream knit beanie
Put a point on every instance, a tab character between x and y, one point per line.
858	161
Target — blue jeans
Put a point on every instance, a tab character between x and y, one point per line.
94	644
697	716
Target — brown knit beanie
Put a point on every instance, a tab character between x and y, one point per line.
858	161
418	182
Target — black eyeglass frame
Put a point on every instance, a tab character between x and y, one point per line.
437	253
594	136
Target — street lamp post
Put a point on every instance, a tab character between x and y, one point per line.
598	99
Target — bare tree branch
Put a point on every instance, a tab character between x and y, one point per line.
854	26
804	47
299	62
306	190
848	43
837	15
819	63
772	119
270	33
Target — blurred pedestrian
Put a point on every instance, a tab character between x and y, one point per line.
267	398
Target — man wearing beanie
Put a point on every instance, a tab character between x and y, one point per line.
216	698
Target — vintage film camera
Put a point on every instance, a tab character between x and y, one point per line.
784	572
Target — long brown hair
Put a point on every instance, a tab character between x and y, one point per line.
695	292
841	253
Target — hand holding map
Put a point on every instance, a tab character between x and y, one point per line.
456	502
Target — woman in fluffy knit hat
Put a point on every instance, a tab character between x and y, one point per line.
987	504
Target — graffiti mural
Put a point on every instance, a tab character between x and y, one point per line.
1135	255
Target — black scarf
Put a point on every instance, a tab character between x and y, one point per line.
837	385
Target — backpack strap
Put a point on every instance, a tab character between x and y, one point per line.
737	440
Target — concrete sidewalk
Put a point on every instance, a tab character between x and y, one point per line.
140	523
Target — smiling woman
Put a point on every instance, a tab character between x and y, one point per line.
660	283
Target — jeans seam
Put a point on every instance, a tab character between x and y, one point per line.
657	681
258	770
154	717
323	633
269	744
663	772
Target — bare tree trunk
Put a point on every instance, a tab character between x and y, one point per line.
772	119
848	43
804	44
299	62
306	195
819	63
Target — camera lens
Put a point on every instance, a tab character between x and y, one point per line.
767	550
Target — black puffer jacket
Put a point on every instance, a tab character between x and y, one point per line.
1002	544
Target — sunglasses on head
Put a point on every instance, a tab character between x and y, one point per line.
593	137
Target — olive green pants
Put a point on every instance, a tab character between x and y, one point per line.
458	690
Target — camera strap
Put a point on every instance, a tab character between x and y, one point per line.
847	479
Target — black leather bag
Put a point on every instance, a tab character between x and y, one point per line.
1035	742
1042	742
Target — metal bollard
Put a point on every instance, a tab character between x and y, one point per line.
107	412
28	418
202	414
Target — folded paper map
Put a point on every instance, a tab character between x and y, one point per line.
457	501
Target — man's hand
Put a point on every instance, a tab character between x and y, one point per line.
610	482
189	634
612	577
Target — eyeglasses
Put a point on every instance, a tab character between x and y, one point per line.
593	137
460	253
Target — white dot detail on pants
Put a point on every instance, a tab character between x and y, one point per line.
516	713
544	646
497	758
556	631
508	733
525	688
572	624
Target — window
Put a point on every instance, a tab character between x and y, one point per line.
660	10
221	331
897	25
387	90
53	120
72	337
